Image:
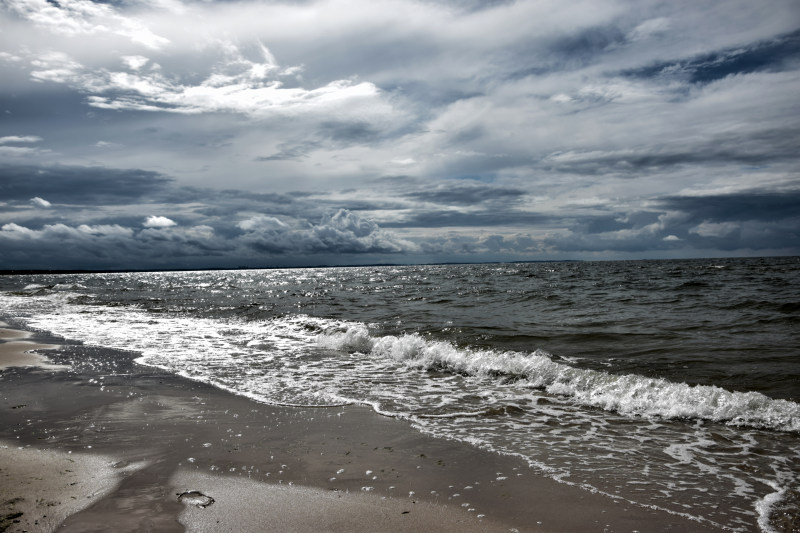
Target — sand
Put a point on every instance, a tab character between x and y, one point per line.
243	505
40	488
17	350
139	437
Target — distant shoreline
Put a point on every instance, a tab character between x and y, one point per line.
34	272
54	271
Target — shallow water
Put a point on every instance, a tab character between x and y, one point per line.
671	384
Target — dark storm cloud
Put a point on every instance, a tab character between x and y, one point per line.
72	184
260	240
472	5
583	46
291	151
138	219
267	198
457	194
592	225
568	52
111	246
770	55
753	220
427	94
452	218
348	132
745	148
758	205
328	135
472	246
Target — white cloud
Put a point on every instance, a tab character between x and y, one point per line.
106	230
16	232
57	67
135	62
235	85
649	28
20	151
5	56
20	139
158	222
260	223
84	17
40	202
107	144
14	151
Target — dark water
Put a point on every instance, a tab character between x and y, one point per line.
672	384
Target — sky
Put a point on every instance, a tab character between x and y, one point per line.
161	134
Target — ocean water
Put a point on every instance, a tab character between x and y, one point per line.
668	384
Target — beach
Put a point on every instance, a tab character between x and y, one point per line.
138	449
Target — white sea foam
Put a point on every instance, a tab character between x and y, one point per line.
765	506
628	394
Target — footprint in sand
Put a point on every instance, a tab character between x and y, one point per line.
193	497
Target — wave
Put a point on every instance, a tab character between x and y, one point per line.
627	394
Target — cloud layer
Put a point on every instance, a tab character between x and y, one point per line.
194	134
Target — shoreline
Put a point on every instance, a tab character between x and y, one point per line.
140	436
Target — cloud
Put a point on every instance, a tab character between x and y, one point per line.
13	139
468	219
135	62
158	222
262	239
56	67
773	54
466	194
105	246
20	151
156	93
715	229
40	202
649	28
261	223
753	204
78	184
752	220
342	232
235	84
291	152
84	17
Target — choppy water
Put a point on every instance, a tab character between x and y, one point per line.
671	384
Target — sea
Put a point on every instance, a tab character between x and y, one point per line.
670	384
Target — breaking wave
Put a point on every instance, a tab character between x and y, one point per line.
627	394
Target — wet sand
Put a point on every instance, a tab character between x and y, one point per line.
17	350
110	445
